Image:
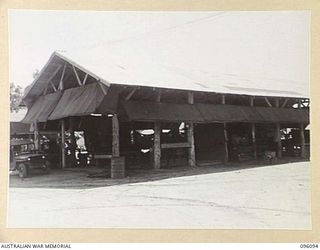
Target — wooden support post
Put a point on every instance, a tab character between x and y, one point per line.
303	142
157	146
254	143
226	151
157	140
158	98
225	134
73	145
115	136
36	135
278	133
63	143
223	99
253	133
192	151
278	139
302	139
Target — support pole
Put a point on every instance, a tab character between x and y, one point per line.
302	139
253	133
73	145
303	142
225	134
278	134
63	143
278	139
190	134
115	136
157	139
157	146
36	135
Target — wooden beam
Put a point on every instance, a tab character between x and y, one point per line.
36	135
115	136
223	99
48	81
77	76
253	133
252	101
278	140
63	142
158	98
190	134
61	78
46	90
278	132
130	94
190	98
176	145
299	103
157	146
302	138
285	103
102	86
254	143
157	140
225	134
73	144
268	102
52	85
302	141
54	73
85	79
277	102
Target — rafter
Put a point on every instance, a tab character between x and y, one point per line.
62	75
77	76
131	94
52	85
103	88
268	102
51	77
85	79
284	103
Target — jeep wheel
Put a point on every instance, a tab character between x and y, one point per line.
23	170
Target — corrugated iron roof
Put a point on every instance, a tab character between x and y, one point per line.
152	111
42	108
109	69
78	101
141	72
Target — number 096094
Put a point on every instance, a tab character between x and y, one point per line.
308	245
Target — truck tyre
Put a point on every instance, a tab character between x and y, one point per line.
23	170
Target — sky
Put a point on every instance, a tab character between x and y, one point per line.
261	44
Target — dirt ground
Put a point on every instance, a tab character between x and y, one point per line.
239	196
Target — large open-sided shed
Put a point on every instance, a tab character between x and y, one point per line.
122	97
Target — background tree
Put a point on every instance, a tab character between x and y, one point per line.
15	97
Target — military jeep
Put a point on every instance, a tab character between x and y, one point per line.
24	157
